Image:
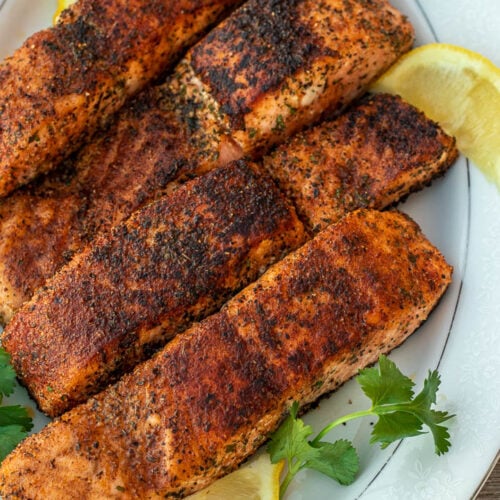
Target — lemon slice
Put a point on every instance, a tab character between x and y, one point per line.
61	5
258	479
459	89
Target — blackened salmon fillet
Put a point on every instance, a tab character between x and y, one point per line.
372	156
67	80
270	69
362	159
302	59
173	262
378	151
215	393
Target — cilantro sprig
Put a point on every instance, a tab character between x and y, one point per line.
15	422
400	414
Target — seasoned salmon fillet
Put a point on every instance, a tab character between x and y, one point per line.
216	107
301	59
376	152
215	393
44	223
173	262
373	155
66	81
353	150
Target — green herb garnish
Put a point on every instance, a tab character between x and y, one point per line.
14	420
400	414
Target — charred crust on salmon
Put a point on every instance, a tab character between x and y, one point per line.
377	152
173	262
66	81
206	401
178	131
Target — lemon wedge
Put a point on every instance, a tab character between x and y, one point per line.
258	479
459	89
61	5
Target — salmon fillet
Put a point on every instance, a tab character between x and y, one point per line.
67	80
45	223
173	262
373	155
301	59
353	161
357	146
209	112
214	394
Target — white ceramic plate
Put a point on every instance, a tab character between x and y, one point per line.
461	215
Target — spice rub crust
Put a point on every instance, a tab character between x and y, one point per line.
187	126
67	80
163	135
282	63
377	152
214	394
173	262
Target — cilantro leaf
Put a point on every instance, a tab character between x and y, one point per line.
395	426
7	375
15	415
10	436
290	443
385	384
290	440
337	460
7	380
432	418
4	357
400	415
14	420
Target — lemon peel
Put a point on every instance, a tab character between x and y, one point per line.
61	5
258	479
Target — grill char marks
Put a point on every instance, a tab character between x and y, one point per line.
207	400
